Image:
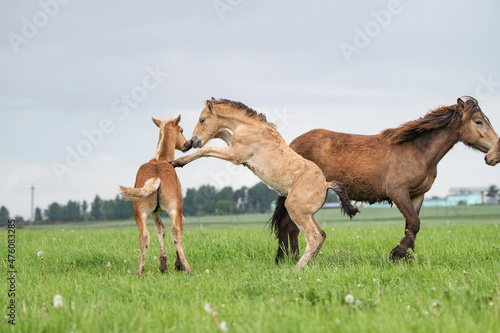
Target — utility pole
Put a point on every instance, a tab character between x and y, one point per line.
32	220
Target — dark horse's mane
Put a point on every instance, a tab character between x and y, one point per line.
444	116
240	106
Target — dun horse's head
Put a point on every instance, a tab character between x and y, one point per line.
476	130
171	127
493	156
207	127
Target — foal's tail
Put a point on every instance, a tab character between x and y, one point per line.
134	194
345	203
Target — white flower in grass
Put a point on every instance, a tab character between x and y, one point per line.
210	309
208	271
349	299
39	253
129	271
58	301
224	327
318	280
109	264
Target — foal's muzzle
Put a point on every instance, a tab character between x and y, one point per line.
187	145
196	142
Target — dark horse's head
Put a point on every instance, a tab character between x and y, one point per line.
465	118
475	129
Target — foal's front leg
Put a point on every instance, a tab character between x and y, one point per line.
224	153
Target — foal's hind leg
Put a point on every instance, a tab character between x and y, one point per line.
321	231
181	263
160	233
303	220
140	220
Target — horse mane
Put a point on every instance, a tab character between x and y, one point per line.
441	117
240	106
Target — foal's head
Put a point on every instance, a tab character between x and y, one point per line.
476	130
207	126
493	156
170	135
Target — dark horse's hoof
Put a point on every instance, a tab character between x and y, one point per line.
178	266
164	269
399	252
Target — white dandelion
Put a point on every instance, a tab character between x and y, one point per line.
208	271
209	308
349	299
39	253
108	264
224	327
58	301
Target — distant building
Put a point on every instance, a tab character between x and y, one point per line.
460	196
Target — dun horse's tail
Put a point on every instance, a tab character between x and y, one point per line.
135	194
345	203
279	213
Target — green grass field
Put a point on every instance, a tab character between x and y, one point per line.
451	285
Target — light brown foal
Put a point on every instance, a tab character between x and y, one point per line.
157	189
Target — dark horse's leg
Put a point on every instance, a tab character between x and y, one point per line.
410	210
287	229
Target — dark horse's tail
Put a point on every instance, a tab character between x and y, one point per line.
280	211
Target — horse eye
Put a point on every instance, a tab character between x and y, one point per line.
479	122
202	121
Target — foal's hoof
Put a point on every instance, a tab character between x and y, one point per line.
164	269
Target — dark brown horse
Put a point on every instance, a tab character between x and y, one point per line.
398	166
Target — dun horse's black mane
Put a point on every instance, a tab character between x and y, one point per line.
444	116
240	106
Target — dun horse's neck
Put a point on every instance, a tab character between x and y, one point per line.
231	118
436	144
166	148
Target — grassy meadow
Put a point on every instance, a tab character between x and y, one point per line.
451	285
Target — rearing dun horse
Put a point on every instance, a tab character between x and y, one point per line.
257	145
399	165
158	189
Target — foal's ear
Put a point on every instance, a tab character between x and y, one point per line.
156	121
461	104
177	120
209	105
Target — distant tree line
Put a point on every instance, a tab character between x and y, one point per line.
206	200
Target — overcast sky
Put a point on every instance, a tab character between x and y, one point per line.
80	81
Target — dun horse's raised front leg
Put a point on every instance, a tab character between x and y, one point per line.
412	226
224	153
